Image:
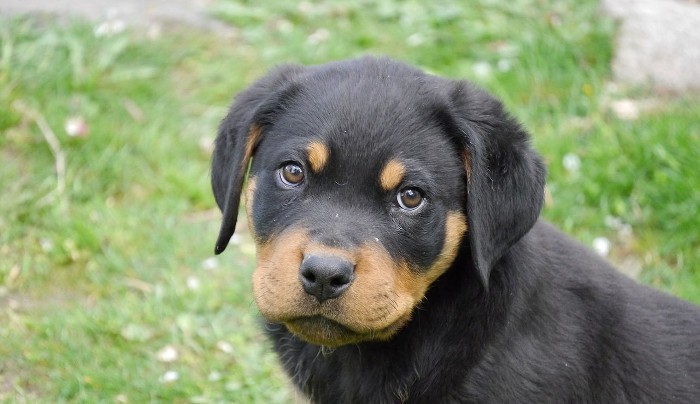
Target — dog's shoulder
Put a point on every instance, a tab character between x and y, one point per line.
574	313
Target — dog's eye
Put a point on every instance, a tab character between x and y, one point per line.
291	174
410	198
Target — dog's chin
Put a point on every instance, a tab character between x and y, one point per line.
319	330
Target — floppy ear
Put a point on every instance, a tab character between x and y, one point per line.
505	176
239	133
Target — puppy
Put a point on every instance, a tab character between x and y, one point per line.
400	257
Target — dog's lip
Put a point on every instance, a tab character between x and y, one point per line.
316	321
312	325
323	331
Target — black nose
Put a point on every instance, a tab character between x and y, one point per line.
325	277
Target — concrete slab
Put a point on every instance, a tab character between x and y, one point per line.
658	43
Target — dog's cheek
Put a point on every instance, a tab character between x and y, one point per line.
276	286
415	283
373	302
387	290
455	228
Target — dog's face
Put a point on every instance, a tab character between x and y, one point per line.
357	194
356	208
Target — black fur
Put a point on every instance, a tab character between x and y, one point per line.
523	314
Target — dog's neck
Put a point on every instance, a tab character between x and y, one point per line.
430	346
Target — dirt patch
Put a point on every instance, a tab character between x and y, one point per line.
139	13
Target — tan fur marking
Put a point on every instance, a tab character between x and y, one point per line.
249	193
455	228
318	155
380	306
276	286
417	285
377	304
392	175
319	249
467	164
250	144
372	308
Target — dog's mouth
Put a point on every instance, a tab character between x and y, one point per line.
320	330
323	331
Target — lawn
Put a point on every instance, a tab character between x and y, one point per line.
108	288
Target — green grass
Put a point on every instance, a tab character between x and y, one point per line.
95	278
99	276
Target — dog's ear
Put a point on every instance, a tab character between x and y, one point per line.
505	176
239	133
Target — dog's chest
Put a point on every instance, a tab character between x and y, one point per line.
359	373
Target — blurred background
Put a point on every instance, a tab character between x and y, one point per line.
109	291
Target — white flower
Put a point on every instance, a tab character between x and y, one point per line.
224	347
305	7
206	145
482	69
416	39
572	163
167	354
193	283
76	126
602	245
284	26
504	65
318	36
169	376
236	239
210	263
627	110
46	244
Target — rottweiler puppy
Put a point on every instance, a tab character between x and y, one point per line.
400	257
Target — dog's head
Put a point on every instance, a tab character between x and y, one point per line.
367	177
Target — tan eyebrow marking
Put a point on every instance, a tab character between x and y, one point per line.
392	175
318	154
